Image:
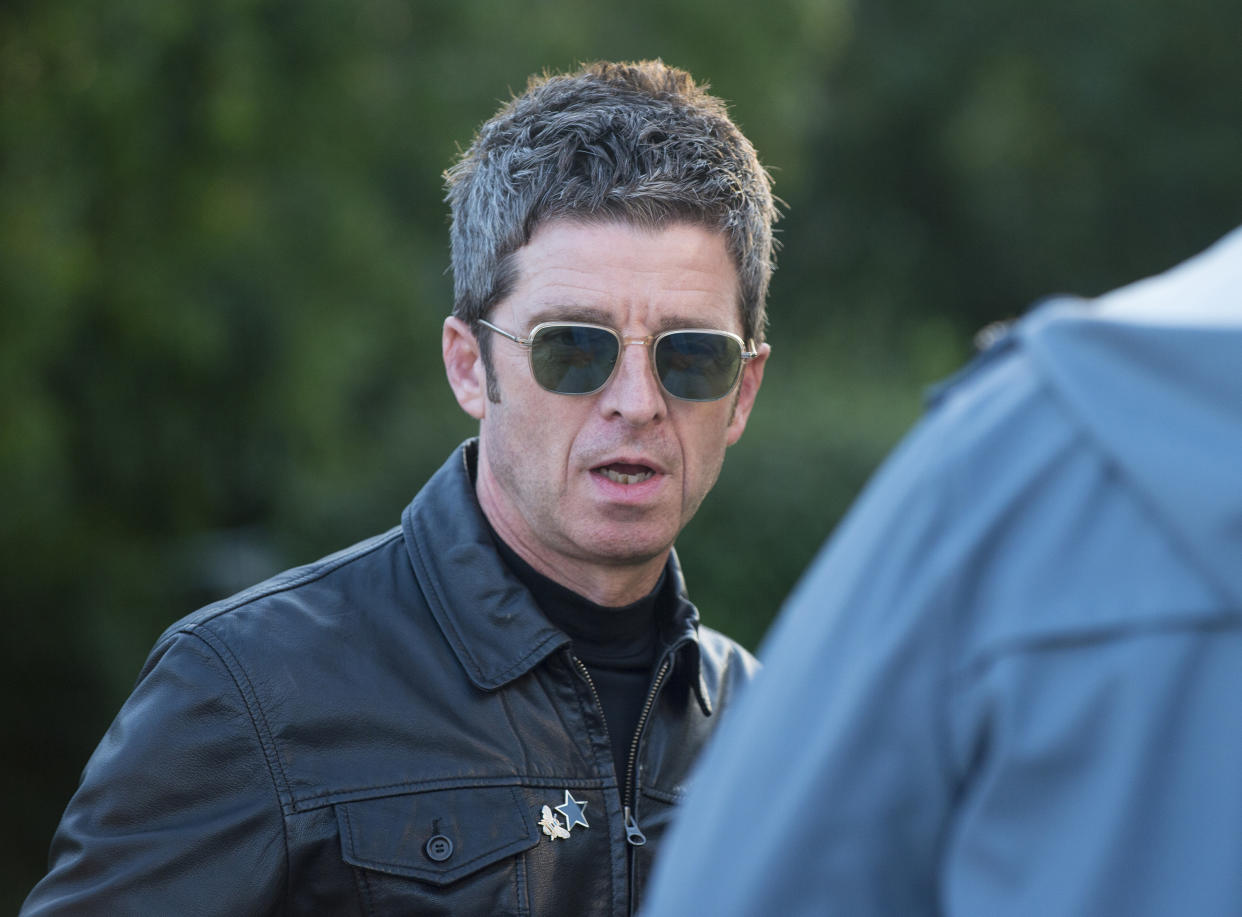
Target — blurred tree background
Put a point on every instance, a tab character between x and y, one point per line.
223	255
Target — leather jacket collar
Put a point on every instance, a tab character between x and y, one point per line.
484	611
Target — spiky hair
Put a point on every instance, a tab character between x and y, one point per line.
639	142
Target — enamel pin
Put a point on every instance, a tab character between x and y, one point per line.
572	809
552	826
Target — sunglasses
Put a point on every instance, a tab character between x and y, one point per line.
575	358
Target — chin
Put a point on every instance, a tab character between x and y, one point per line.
623	548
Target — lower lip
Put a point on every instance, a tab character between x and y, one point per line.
640	492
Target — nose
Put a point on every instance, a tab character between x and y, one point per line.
633	393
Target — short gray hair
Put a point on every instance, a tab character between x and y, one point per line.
638	142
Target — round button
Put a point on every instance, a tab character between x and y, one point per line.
439	848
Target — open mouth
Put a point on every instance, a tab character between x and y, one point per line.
624	473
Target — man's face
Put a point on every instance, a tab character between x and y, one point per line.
587	486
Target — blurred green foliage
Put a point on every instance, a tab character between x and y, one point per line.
223	258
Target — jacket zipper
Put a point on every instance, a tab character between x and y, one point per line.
633	833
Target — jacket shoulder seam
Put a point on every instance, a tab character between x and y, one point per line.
254	710
216	648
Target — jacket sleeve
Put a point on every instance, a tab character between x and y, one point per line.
177	811
826	789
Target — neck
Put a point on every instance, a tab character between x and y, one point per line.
611	584
600	633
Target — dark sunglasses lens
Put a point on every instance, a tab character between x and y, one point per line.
573	360
698	365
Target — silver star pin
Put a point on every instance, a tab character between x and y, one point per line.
572	809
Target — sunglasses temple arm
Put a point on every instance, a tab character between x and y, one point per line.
501	331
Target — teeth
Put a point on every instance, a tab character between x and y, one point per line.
620	478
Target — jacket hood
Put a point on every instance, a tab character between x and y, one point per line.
1152	374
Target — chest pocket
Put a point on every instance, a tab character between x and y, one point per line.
440	852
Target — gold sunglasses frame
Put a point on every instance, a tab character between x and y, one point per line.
748	352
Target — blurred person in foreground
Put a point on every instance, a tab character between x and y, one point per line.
491	708
1009	683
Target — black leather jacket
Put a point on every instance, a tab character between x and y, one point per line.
379	733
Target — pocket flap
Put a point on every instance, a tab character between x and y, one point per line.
438	836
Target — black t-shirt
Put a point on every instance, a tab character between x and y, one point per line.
618	646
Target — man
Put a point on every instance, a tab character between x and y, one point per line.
490	709
1009	684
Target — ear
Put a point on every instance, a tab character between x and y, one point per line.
752	378
463	364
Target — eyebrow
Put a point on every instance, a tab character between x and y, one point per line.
570	313
594	316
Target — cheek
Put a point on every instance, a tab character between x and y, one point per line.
703	451
550	429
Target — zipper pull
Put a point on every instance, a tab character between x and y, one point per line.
633	833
